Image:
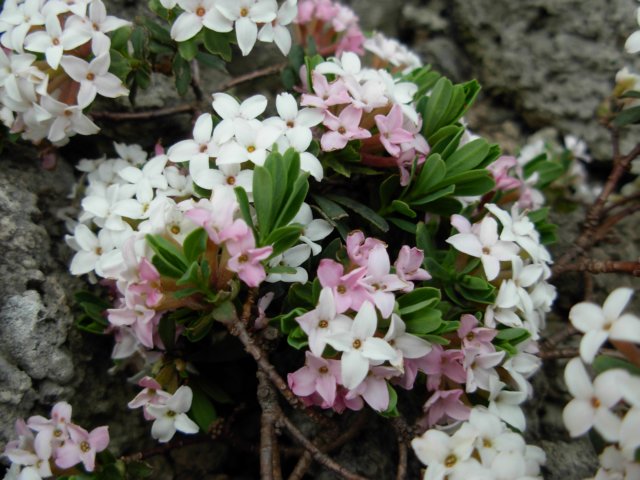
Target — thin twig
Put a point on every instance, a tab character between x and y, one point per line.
263	72
146	115
404	435
330	444
163	449
315	452
268	442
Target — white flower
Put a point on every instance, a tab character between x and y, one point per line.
360	347
632	45
314	230
506	404
519	228
443	454
53	41
68	120
251	144
247	14
323	321
406	345
230	175
172	416
20	19
293	258
591	403
630	432
198	14
607	322
230	111
347	65
276	31
146	179
197	151
94	78
133	154
486	246
94	252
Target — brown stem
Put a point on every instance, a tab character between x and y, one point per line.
602	266
316	453
163	449
239	330
404	434
268	400
594	216
328	446
629	350
143	116
263	72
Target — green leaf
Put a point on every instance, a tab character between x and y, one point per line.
476	185
436	106
138	470
243	202
432	173
225	313
432	197
331	209
425	322
403	224
195	244
167	331
603	363
297	338
168	252
182	73
210	61
402	208
158	32
262	199
120	38
188	49
294	201
388	190
217	44
467	157
418	299
509	334
283	238
627	117
139	42
202	410
119	66
362	210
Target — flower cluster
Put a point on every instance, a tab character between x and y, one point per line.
371	106
44	440
390	53
243	16
610	403
364	288
334	28
482	448
167	411
241	139
45	98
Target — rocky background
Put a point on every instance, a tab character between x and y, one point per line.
542	63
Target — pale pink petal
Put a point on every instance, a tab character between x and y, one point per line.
466	243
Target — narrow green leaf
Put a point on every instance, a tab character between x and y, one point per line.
401	207
331	209
217	44
188	49
467	157
436	106
627	117
202	410
262	199
195	244
243	201
362	210
167	331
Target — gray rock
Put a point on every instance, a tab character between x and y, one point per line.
554	61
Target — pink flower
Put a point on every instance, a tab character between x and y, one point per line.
134	313
392	135
82	447
380	282
326	95
344	128
409	266
359	247
352	41
151	395
443	362
500	171
51	433
476	337
245	258
445	404
215	215
317	376
348	290
373	388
